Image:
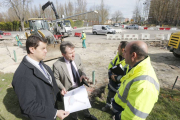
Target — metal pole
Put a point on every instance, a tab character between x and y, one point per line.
15	58
175	82
93	77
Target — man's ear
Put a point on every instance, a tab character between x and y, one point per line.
134	56
63	54
31	49
122	50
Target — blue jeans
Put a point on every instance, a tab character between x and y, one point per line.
83	44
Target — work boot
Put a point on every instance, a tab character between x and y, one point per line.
106	108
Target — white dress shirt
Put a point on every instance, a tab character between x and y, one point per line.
36	64
70	71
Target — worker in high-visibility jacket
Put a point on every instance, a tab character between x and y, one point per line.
114	79
17	39
83	37
139	88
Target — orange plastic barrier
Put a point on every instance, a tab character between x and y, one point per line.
167	28
161	28
58	36
145	28
77	34
6	33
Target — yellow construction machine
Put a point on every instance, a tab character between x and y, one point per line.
174	45
40	26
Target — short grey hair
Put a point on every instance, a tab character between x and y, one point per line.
63	46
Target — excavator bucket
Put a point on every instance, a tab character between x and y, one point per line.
53	46
53	52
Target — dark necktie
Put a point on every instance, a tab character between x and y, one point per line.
74	72
45	72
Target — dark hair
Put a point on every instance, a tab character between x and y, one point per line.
123	44
63	46
141	54
33	41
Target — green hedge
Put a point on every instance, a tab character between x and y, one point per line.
78	23
12	26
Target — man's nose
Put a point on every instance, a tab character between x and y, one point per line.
45	50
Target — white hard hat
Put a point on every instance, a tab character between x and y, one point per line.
83	31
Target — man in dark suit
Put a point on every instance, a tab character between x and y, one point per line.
35	85
69	72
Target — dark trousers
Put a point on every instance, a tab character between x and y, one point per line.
111	95
85	112
118	108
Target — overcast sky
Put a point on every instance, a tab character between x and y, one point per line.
125	6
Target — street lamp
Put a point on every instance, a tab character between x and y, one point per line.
144	12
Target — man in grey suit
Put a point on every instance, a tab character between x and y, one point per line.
69	72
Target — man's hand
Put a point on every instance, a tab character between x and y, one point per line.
63	91
62	114
113	77
86	78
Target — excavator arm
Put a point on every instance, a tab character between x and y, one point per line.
52	6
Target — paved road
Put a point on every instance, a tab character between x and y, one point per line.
88	31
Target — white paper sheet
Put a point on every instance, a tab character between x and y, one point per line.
76	100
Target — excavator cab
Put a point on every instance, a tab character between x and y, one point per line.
40	26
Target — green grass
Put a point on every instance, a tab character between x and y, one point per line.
167	107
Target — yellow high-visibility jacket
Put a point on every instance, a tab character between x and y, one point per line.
17	38
138	92
113	86
83	37
116	61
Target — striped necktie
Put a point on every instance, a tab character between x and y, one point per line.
47	75
74	72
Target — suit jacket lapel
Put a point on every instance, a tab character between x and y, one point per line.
36	71
64	67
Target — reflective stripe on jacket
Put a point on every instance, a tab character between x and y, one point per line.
116	61
83	37
17	38
138	92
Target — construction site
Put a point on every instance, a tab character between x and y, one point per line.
102	45
97	56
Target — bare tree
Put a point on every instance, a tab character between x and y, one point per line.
164	12
137	14
117	16
69	9
93	18
11	15
80	8
103	12
20	8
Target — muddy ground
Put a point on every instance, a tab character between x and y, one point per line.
97	57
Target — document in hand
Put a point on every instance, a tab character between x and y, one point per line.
118	70
76	100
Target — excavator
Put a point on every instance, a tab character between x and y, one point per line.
40	26
173	44
61	25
